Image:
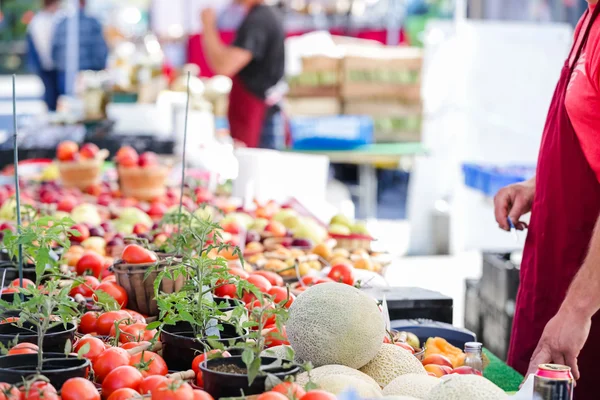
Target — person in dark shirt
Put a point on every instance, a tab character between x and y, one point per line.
255	61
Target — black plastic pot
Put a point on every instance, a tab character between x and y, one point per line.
180	345
231	303
10	298
54	340
12	271
223	384
57	367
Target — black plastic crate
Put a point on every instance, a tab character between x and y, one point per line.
414	303
499	280
473	317
497	328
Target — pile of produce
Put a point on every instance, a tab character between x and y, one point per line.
129	300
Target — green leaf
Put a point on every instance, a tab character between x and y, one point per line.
248	357
254	370
290	354
271	382
68	347
83	350
310	386
153	325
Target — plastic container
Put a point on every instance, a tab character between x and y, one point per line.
54	341
424	329
57	367
344	132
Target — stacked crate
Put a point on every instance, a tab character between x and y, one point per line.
384	83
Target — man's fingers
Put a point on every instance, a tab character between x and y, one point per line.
572	362
501	204
541	355
517	210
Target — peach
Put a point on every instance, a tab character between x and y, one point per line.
438	370
464	370
437	359
276	228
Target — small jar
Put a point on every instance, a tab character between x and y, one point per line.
474	358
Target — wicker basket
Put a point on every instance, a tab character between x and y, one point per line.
80	174
353	242
143	183
140	291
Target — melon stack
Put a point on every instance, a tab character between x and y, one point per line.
340	330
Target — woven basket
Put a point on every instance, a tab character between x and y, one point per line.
145	183
353	242
140	291
80	174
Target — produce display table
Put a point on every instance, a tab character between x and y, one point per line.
366	158
502	375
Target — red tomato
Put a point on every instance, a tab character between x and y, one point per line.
86	289
310	280
135	316
281	294
274	278
95	345
115	291
290	389
79	389
150	382
23	348
92	263
343	273
89	150
318	395
123	394
199	359
275	338
267	319
149	363
173	390
65	151
27	283
272	396
202	395
260	282
127	157
107	320
135	254
239	272
88	322
9	392
199	379
120	378
39	390
108	360
133	333
110	278
227	290
133	345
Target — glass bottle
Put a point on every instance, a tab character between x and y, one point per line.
474	357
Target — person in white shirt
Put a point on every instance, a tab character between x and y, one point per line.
39	50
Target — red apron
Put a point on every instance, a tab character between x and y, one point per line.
565	210
246	114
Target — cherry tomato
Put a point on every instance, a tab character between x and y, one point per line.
121	377
23	348
272	396
88	322
92	263
95	346
274	278
173	390
108	360
123	394
79	389
202	395
280	295
135	254
27	283
318	395
150	382
107	320
115	291
199	359
149	363
86	289
133	345
290	389
343	273
275	338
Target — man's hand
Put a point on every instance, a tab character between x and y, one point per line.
562	341
209	18
514	201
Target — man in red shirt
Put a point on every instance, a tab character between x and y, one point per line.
256	63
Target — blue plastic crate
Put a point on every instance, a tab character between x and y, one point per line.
344	132
490	179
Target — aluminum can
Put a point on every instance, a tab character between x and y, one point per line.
553	382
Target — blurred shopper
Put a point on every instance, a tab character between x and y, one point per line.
557	316
39	50
93	50
256	62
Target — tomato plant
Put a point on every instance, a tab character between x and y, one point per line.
343	273
79	389
136	254
149	363
108	360
122	377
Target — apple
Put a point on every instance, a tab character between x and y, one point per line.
66	151
104	199
341	219
231	227
359	228
437	359
67	203
438	370
49	196
127	157
148	159
89	151
157	210
84	233
465	370
339	229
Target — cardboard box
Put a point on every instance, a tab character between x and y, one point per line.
313	106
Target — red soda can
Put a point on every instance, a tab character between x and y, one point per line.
553	382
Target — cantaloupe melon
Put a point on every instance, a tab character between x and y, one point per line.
415	385
334	323
390	362
327	370
338	384
466	387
